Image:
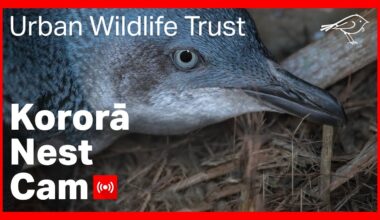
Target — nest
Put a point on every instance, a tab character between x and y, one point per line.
255	162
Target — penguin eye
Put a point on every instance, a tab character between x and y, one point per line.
185	59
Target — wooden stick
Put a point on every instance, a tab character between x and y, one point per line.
326	155
224	192
249	195
203	176
331	58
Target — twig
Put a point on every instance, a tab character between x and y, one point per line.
146	202
203	176
248	194
224	192
347	198
365	158
326	155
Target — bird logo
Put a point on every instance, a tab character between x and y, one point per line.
349	25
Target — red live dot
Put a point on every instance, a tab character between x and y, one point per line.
104	187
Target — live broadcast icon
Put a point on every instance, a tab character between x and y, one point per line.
104	187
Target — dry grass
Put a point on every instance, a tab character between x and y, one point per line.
256	162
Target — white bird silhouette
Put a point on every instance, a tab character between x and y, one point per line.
350	25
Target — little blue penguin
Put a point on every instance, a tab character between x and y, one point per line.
170	84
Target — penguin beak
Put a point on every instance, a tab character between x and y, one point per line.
289	94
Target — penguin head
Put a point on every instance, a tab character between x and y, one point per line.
173	85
